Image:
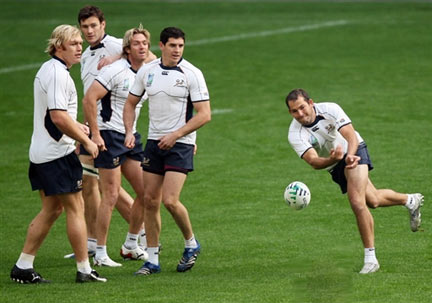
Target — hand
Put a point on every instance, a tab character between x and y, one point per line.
100	143
195	149
84	128
129	141
337	154
167	141
352	161
105	61
91	148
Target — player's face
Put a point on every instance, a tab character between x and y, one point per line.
139	47
172	51
302	110
93	30
70	51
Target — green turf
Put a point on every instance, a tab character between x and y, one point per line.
376	64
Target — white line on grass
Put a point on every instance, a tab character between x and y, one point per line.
285	30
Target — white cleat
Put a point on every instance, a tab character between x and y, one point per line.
106	261
415	215
369	268
136	253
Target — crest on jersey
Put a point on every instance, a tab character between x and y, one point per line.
180	83
150	80
313	141
330	128
126	85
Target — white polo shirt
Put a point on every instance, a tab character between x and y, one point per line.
171	92
54	89
323	134
109	46
117	78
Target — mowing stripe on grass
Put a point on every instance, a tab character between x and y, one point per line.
280	31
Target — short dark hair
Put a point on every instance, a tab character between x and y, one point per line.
295	93
171	32
90	11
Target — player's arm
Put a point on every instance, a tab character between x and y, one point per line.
129	119
69	127
348	132
95	92
317	162
202	116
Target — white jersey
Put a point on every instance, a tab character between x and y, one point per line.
117	78
54	89
323	134
108	46
171	92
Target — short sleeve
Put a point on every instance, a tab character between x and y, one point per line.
197	87
57	88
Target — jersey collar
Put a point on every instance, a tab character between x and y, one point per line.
61	61
100	45
171	67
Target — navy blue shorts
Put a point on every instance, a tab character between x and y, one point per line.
179	158
116	152
338	172
60	176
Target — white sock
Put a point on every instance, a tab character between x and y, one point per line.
410	202
191	243
153	253
84	267
25	261
91	244
369	255
131	241
101	252
143	238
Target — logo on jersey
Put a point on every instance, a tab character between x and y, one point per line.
180	83
150	80
313	141
165	73
126	85
330	128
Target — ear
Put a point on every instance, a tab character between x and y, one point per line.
310	102
103	24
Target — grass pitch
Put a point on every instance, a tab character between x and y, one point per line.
373	58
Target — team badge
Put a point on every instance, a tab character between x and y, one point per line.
126	85
150	80
116	161
180	83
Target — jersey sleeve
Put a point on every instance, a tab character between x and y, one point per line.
138	88
338	114
299	141
57	97
105	77
197	87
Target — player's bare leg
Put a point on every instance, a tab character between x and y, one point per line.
357	179
110	180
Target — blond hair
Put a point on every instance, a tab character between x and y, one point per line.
60	35
129	35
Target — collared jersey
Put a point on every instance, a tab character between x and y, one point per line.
171	92
323	134
117	78
54	89
109	46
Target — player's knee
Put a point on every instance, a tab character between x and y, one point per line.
372	203
170	203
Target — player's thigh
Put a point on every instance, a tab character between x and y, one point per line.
72	202
110	181
172	186
51	205
357	181
152	186
132	171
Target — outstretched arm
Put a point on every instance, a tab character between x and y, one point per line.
317	162
349	134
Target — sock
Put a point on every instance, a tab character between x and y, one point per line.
410	202
153	253
191	243
91	244
25	261
84	267
142	238
101	252
131	241
369	255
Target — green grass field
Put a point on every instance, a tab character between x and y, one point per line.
371	57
